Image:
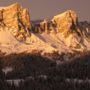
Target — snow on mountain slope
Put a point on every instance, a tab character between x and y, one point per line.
64	33
6	37
9	44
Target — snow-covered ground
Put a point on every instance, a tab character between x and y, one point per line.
7	69
16	82
47	43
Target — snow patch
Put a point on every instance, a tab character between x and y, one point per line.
7	69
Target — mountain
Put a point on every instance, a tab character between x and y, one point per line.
64	33
16	19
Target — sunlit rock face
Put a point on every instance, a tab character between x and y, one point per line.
66	22
63	33
44	26
68	26
16	19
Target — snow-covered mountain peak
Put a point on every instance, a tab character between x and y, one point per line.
64	33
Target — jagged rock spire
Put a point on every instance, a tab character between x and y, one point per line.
65	22
16	18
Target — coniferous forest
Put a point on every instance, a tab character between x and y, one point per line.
35	72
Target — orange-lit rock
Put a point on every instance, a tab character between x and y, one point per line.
66	22
17	19
63	33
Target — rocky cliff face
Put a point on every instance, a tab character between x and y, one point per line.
67	26
64	33
66	22
16	19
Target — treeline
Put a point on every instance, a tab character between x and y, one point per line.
25	65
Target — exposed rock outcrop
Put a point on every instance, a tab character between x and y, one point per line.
63	33
66	22
16	19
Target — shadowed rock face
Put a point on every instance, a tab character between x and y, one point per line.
16	18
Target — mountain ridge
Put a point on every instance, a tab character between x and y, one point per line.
63	33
